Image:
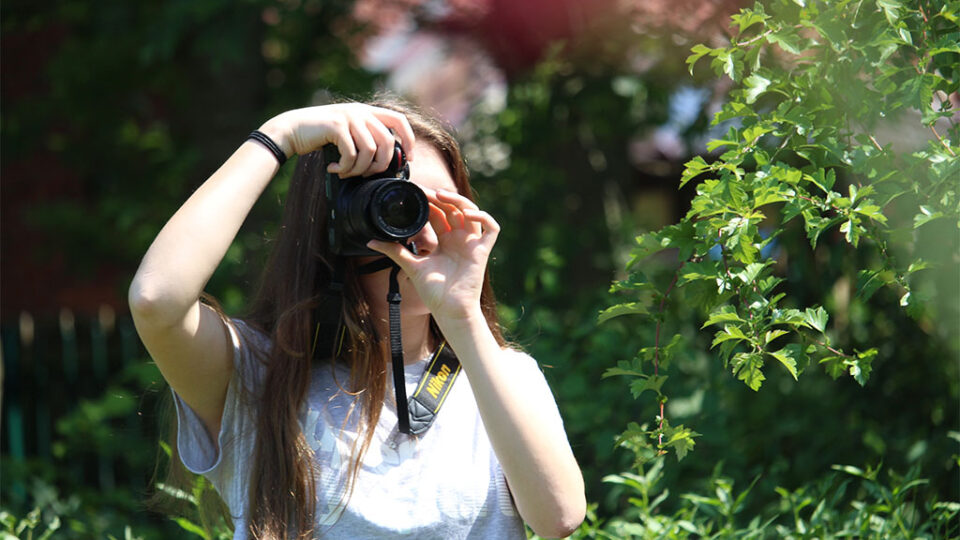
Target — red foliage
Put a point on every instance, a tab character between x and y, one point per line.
516	34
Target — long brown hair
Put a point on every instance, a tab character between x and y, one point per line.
287	306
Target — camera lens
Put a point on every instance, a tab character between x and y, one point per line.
399	209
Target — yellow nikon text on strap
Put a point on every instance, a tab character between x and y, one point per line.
435	384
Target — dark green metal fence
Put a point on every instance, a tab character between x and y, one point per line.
78	394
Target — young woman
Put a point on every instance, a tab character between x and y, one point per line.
301	444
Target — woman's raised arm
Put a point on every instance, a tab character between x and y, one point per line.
532	448
187	339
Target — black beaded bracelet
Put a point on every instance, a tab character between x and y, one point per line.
274	149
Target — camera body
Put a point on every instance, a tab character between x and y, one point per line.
386	206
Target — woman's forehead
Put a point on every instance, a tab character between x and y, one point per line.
428	169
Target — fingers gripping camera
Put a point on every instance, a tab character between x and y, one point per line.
385	206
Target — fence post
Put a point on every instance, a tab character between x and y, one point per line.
9	350
99	328
128	340
71	367
32	354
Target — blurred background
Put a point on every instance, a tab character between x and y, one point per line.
576	118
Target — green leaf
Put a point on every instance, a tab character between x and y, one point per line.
794	208
787	40
706	270
623	368
729	65
766	286
645	383
679	438
669	352
868	281
747	18
740	233
916	266
699	50
905	35
787	357
851	230
750	273
646	244
891	9
862	365
925	216
728	333
772	335
833	365
713	144
752	134
635	433
189	526
823	179
680	236
747	368
816	318
773	192
54	525
630	308
856	471
726	62
725	313
637	283
693	168
793	317
755	85
816	225
872	211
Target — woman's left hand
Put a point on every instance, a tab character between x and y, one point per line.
449	278
523	426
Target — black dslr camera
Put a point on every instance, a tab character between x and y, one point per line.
386	206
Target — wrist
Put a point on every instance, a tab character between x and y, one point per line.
470	337
467	320
278	128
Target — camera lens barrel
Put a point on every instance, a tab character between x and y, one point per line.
389	209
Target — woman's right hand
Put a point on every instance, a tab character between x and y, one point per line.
360	132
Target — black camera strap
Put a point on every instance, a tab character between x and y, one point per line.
419	413
442	369
396	351
435	384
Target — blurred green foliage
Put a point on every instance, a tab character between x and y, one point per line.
794	149
849	502
141	101
106	434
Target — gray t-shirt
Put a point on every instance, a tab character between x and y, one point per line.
444	484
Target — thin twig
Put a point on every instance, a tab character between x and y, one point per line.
656	348
831	349
944	143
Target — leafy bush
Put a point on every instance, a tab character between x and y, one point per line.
796	147
850	502
96	482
